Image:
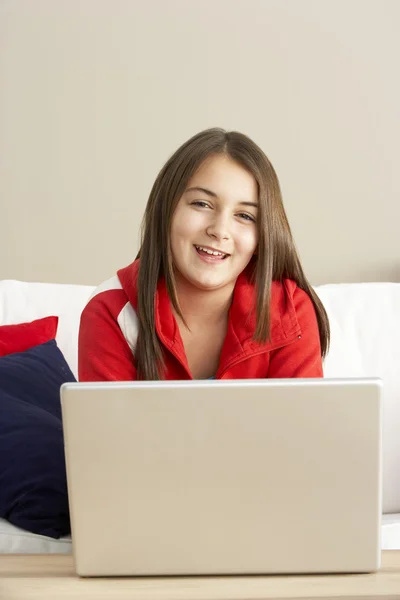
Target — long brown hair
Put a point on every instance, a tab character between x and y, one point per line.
277	257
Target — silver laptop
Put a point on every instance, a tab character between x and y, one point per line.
224	477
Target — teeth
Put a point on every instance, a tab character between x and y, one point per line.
213	252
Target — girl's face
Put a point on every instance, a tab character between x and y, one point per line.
213	229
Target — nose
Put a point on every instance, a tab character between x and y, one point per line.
218	228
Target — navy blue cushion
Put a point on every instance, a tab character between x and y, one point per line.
33	487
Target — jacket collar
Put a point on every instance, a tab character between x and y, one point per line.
241	322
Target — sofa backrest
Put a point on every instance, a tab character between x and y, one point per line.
365	334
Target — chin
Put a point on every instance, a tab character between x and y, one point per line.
208	285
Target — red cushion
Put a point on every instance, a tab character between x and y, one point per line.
21	337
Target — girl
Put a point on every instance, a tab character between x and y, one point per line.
217	289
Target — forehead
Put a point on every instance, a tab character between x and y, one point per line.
226	178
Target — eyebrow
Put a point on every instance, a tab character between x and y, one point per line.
214	195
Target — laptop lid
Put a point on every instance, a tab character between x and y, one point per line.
224	477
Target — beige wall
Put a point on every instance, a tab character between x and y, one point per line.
95	95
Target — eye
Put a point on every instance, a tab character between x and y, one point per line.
247	217
201	203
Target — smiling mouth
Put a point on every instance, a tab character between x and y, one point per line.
213	254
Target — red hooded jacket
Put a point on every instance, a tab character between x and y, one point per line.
109	329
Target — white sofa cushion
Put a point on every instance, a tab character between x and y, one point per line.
14	540
365	329
21	302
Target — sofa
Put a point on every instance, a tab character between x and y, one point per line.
365	333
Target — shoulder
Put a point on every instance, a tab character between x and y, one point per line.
301	299
290	309
109	307
286	296
109	295
292	305
290	290
302	356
